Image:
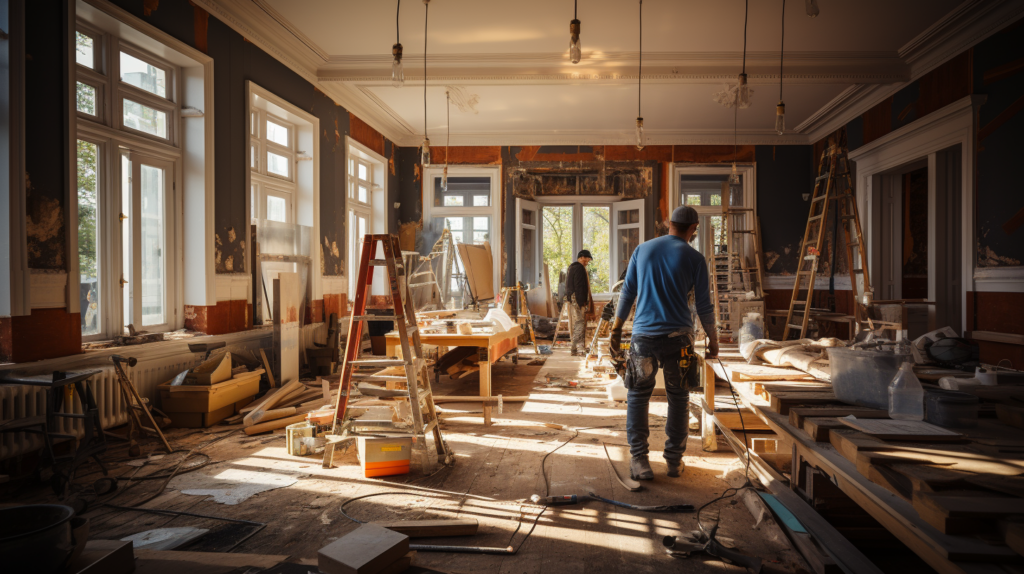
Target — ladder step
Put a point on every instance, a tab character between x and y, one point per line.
848	217
858	271
817	199
424	284
362	377
815	218
375	318
378	363
821	177
384	262
854	243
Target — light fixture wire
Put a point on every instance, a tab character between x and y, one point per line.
782	48
398	35
641	67
426	16
448	113
746	16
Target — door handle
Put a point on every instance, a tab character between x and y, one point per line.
123	282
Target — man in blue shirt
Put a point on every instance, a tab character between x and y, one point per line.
660	276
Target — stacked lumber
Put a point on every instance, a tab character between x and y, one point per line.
281	407
459	362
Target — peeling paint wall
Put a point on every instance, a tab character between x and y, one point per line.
47	130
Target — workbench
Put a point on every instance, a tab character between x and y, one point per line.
491	348
943	552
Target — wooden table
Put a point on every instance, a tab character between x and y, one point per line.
492	347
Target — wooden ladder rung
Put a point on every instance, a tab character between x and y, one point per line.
378	363
362	377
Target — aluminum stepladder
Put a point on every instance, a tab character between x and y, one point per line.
419	395
833	184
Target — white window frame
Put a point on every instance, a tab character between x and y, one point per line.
262	181
375	210
578	202
493	211
107	130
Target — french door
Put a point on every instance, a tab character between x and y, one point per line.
146	193
627	234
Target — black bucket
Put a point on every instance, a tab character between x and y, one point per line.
35	538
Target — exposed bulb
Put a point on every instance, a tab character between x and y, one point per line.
575	51
397	71
425	153
640	134
444	179
780	118
812	8
734	177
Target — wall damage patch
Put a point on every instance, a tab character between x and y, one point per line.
45	232
989	258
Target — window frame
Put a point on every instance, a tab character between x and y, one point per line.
431	212
124	90
374	210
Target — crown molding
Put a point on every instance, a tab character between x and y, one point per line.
442	77
624	137
963	27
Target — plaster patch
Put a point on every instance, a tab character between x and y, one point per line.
772	257
233	485
989	258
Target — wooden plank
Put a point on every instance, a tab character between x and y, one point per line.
274	425
473	399
819	427
782	402
430	528
889	429
1012	485
1010	415
964	512
1015	537
765	390
271	400
366	550
213	558
797	414
994	337
287	299
742	373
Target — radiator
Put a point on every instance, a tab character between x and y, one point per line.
154	367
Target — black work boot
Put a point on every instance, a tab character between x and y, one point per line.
640	468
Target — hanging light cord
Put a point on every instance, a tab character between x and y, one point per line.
448	117
398	37
575	9
735	128
746	14
782	47
426	15
641	68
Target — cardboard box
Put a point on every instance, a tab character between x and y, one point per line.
200	420
384	456
205	399
366	550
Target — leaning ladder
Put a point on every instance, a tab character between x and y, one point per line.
833	184
418	392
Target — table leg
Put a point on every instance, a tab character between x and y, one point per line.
709	441
485	383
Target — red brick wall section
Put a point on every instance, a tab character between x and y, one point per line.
1002	313
336	303
45	334
224	317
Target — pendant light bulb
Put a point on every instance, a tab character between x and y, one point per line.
734	177
640	134
780	118
812	8
425	153
575	51
397	71
444	179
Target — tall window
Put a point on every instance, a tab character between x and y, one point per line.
272	159
128	155
467	207
366	205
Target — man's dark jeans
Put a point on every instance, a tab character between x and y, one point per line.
646	356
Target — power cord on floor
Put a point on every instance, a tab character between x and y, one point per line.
731	491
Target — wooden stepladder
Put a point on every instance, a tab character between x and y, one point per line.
418	392
507	298
833	184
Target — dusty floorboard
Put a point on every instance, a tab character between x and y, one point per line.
498	468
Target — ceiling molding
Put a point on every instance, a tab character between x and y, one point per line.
605	137
440	78
961	29
966	25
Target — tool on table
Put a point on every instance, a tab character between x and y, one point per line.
134	401
698	542
607	316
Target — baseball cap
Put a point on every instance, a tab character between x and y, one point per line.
584	253
684	215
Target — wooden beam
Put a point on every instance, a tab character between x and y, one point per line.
431	528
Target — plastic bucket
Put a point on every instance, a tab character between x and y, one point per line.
861	377
294	433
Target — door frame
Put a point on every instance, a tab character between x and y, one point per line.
538	251
928	138
616	226
578	202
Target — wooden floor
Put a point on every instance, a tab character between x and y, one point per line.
497	469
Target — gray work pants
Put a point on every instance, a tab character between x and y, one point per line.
578	325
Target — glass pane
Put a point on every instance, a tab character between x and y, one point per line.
254	124
88	225
629	216
277	164
628	240
716	199
153	246
127	290
481	200
86	96
143	75
363	173
277	209
254	157
453	201
145	119
364	194
596	227
556	234
481	223
84	50
529	256
692	199
719	234
457	237
277	133
454	223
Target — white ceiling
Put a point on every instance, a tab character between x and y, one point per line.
514	57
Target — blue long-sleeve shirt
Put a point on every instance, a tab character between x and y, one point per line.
660	275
